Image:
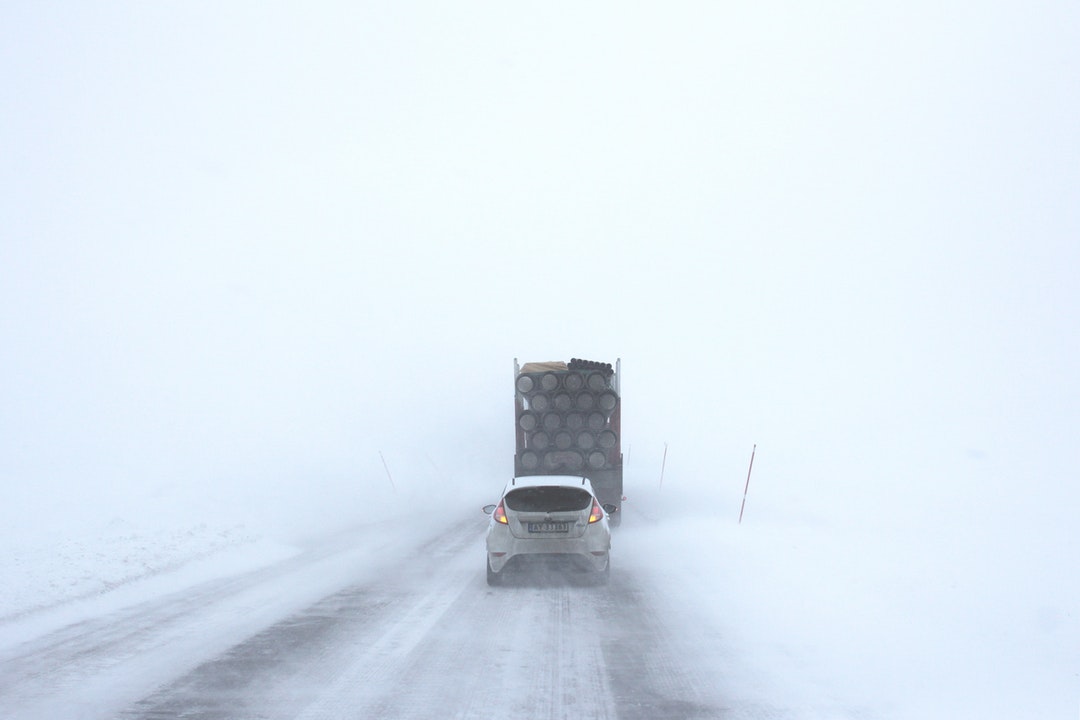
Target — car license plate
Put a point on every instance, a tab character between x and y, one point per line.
549	527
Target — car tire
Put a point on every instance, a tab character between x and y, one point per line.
494	579
604	576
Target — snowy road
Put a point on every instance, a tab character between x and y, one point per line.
330	634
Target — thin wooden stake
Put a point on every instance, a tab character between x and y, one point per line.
747	488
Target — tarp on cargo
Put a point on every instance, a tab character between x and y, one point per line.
536	367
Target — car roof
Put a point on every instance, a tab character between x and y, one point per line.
548	480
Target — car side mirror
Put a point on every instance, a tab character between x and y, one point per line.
608	508
488	509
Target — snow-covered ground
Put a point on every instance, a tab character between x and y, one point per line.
932	619
43	573
887	619
75	555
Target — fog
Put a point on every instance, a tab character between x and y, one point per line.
274	265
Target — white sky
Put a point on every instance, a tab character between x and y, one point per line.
247	243
248	250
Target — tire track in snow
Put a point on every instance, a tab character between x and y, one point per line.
426	637
291	667
652	676
523	652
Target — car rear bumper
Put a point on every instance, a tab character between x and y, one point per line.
542	563
588	552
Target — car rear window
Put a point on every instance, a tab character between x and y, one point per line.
548	499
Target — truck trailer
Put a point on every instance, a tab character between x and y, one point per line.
568	418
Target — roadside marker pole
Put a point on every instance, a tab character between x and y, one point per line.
387	467
662	464
747	488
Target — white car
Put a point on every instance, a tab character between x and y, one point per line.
545	519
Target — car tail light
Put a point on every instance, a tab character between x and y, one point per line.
500	514
596	514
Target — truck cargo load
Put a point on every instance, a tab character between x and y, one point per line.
568	418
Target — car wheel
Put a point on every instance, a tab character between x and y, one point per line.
604	576
493	578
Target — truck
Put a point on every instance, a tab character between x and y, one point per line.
568	421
